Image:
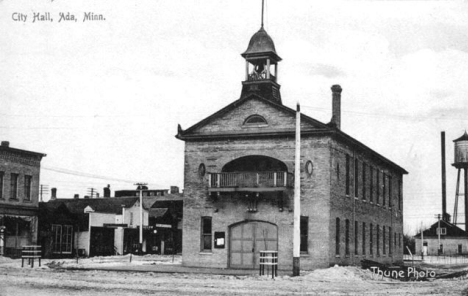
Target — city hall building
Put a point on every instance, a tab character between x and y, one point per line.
239	182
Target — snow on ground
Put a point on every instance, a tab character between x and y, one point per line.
337	280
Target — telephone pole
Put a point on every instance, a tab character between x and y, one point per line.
438	233
297	196
140	187
91	192
43	190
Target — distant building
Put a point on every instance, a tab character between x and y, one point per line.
238	182
110	225
453	240
19	191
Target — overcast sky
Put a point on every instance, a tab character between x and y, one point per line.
103	98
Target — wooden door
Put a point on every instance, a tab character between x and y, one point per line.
248	239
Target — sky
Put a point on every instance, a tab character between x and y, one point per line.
103	98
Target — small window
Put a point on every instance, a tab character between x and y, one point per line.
363	238
27	188
201	170
378	240
356	178
14	186
1	185
347	173
309	168
304	229
384	247
337	237
338	171
206	234
255	120
356	237
443	231
364	169
347	237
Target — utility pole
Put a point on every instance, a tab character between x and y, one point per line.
140	187
91	192
438	233
422	242
297	196
43	190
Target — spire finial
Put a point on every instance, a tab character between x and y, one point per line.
262	11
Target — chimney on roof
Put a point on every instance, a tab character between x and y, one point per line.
5	144
107	192
86	197
336	105
76	196
54	193
174	189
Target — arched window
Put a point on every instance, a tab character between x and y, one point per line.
255	120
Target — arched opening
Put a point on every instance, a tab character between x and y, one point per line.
255	163
255	120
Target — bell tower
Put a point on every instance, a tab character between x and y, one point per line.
261	67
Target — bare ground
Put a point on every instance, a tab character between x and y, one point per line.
36	281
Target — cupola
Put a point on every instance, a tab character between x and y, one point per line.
261	67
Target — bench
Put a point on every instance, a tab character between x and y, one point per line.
31	253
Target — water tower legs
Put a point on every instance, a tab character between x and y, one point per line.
466	199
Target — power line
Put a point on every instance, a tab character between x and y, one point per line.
380	114
87	175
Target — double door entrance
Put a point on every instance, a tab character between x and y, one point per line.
247	239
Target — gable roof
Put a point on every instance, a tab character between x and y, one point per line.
188	133
101	205
452	230
319	129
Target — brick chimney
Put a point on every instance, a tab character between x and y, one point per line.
107	191
5	144
174	189
336	105
76	196
54	193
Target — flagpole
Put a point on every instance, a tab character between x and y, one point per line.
297	196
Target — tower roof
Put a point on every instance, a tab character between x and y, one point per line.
462	138
261	44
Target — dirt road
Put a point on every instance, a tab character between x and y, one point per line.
45	281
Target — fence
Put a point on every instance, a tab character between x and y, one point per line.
440	259
267	259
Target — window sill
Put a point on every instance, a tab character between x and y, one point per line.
337	256
305	255
205	253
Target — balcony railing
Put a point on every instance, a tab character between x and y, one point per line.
251	180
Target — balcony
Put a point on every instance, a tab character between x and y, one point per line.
250	181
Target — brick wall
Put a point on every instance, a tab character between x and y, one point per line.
23	166
365	207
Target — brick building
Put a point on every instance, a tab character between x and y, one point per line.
19	191
238	182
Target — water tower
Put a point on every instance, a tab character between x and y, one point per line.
461	162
